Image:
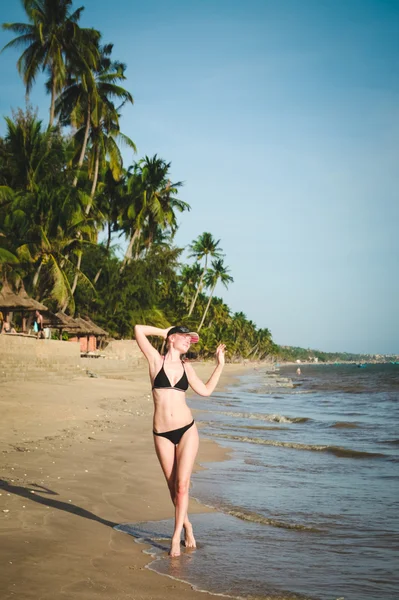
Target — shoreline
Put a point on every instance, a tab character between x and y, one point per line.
77	459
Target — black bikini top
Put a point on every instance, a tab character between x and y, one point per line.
161	380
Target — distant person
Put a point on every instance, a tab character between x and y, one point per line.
8	327
39	325
175	432
298	371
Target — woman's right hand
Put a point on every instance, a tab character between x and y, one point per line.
220	354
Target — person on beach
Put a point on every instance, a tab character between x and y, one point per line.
8	326
175	432
39	325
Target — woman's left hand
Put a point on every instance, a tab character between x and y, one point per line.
220	350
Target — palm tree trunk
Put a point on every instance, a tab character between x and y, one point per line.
88	208
97	275
207	306
36	275
254	349
107	247
83	152
129	250
95	179
53	95
75	280
194	300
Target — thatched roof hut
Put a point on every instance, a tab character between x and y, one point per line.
96	329
10	301
34	304
59	321
76	326
92	333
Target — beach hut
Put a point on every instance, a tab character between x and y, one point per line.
99	331
89	334
86	332
32	304
11	302
61	322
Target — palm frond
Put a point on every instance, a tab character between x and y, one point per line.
7	257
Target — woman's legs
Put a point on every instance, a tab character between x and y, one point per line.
168	457
186	451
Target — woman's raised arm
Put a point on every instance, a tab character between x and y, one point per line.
141	333
206	389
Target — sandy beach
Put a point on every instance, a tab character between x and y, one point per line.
77	458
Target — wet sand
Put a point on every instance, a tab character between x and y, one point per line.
77	458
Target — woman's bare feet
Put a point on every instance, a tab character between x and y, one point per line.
175	547
189	539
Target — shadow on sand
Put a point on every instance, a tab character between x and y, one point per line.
32	493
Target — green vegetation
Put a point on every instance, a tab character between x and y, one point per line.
291	353
66	200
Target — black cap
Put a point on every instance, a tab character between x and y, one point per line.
183	329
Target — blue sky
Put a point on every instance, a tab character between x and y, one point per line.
282	119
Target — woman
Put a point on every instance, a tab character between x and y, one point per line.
175	432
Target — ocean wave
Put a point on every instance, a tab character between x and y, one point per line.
394	442
216	424
344	424
254	517
274	418
336	450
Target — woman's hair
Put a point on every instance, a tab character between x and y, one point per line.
166	348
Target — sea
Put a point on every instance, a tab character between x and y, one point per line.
307	502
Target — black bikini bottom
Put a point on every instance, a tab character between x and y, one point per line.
175	435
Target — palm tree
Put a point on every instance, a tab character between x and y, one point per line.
162	203
150	204
40	228
30	153
218	273
81	104
109	203
264	343
189	279
104	146
7	200
242	333
52	40
220	315
104	135
203	247
40	213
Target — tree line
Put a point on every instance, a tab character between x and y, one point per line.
67	200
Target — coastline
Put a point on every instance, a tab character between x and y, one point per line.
77	459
